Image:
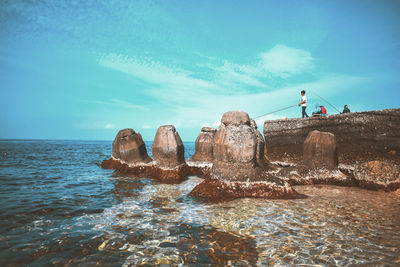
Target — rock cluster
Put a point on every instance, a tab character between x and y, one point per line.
320	166
360	136
130	156
236	171
354	149
234	158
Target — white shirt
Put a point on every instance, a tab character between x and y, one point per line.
303	98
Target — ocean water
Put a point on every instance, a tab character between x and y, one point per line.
58	208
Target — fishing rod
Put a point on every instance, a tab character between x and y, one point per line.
328	103
275	111
323	99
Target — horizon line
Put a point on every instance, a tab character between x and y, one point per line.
47	139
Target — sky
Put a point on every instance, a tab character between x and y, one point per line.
86	69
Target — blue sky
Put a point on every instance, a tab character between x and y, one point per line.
85	69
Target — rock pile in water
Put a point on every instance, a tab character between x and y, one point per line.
356	149
360	136
320	163
235	172
130	156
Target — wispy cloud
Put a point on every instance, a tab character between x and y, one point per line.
117	103
93	124
208	110
152	72
235	75
196	101
224	77
284	61
109	126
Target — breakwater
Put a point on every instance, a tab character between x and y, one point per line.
356	149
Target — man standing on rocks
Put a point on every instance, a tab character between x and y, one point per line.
303	104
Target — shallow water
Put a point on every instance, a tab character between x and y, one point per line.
59	208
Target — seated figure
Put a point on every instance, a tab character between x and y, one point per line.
346	109
321	111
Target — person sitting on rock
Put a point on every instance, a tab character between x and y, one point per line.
321	111
346	109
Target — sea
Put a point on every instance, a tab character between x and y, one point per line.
58	208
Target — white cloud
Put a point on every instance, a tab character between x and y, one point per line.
171	82
284	61
209	109
146	126
93	124
109	126
194	101
234	75
152	72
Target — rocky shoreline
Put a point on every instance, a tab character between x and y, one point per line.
361	136
357	149
367	147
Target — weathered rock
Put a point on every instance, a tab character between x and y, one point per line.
320	151
151	170
199	168
235	118
112	164
235	146
168	150
204	145
215	190
128	146
260	145
130	157
165	175
301	175
236	171
378	175
360	136
373	175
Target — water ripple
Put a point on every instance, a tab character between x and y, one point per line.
59	208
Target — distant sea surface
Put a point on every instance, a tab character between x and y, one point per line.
57	208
